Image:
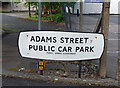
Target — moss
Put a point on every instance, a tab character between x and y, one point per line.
34	18
13	69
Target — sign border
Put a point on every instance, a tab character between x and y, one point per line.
58	31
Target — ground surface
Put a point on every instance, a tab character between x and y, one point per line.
8	81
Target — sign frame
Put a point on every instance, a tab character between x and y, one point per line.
60	31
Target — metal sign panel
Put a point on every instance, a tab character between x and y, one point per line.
57	45
93	1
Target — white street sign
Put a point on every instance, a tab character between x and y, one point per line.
57	45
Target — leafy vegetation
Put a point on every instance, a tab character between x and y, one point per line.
51	11
57	17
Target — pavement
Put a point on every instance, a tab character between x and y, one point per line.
14	81
14	65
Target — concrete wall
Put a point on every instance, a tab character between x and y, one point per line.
96	8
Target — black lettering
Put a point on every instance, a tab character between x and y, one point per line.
66	39
62	41
91	49
53	48
86	40
48	48
77	48
59	48
45	48
81	40
72	40
76	40
81	49
54	40
32	39
30	47
86	49
35	47
37	38
43	39
69	49
40	48
64	49
48	39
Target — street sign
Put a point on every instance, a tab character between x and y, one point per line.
57	45
93	1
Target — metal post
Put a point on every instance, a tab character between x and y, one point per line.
65	16
72	9
69	17
80	69
98	25
77	12
39	17
29	9
81	12
104	30
39	28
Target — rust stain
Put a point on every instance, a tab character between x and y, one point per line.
91	41
27	36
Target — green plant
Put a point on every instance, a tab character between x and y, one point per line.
34	17
58	17
46	17
36	13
